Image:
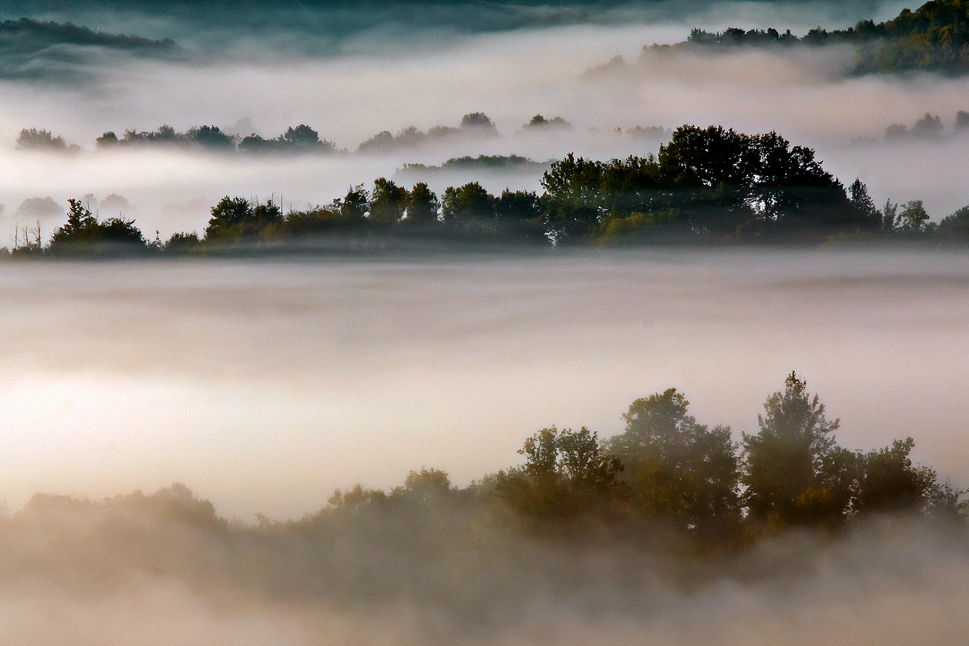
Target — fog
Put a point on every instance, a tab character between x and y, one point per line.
267	385
391	75
264	385
886	582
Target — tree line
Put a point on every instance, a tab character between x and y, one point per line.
300	139
706	185
666	481
934	37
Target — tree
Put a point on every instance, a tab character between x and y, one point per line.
890	216
34	139
478	122
227	215
794	471
354	205
863	205
913	217
83	234
469	202
107	140
426	486
573	196
302	138
677	469
889	482
423	206
236	217
387	202
955	226
567	474
80	223
928	127
209	137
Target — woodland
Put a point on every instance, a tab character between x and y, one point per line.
667	485
705	186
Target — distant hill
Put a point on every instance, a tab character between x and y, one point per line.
934	37
33	49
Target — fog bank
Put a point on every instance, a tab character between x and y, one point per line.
887	583
266	385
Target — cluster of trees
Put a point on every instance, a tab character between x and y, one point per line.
538	122
589	526
474	124
708	185
928	127
666	468
34	139
666	478
304	139
481	164
933	37
705	184
301	139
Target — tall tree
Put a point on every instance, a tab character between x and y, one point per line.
678	469
794	471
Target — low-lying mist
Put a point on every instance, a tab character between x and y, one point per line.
391	82
164	569
267	385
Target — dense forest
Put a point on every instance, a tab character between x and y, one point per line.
934	37
706	185
666	485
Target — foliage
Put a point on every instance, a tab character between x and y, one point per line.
566	475
889	483
34	139
234	218
677	469
934	37
84	235
794	471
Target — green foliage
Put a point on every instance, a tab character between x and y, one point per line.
889	482
677	469
934	37
566	475
234	218
210	137
708	181
794	471
425	487
913	217
387	202
182	243
955	226
301	139
468	202
863	205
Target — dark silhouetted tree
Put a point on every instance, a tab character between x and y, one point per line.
468	202
387	202
889	482
423	207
